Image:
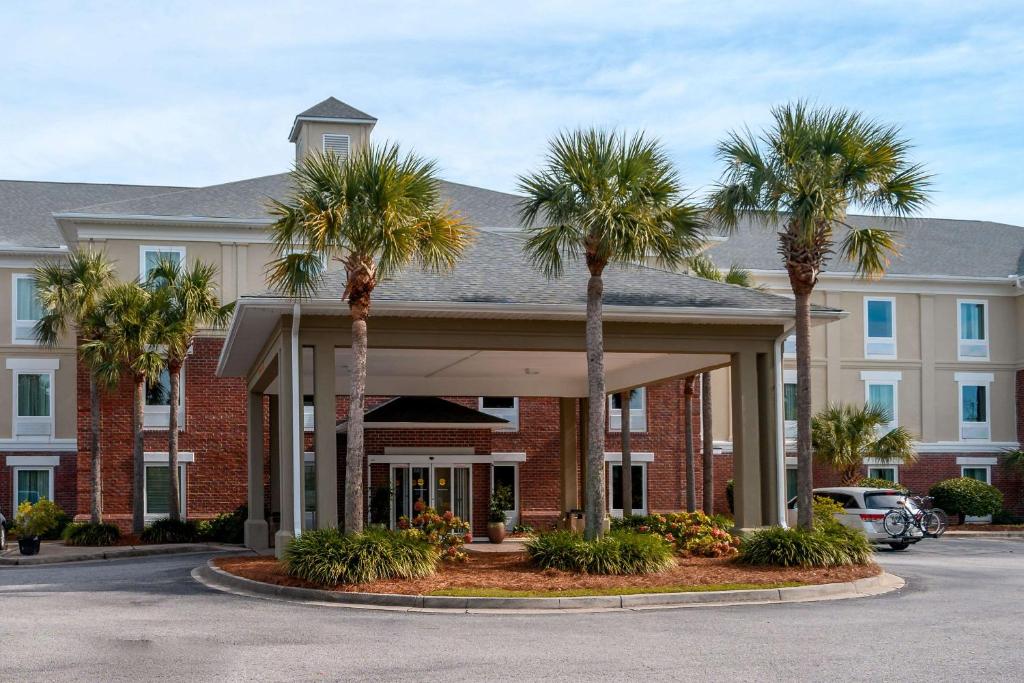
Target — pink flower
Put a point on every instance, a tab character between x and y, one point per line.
468	538
449	516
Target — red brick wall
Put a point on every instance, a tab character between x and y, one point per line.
65	484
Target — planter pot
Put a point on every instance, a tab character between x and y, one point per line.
29	546
496	532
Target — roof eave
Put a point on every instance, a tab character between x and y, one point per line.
293	134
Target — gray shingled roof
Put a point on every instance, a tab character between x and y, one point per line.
333	108
495	271
247	200
426	410
26	207
930	246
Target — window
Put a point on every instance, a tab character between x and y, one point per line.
158	401
309	489
149	257
27	309
507	474
789	403
790	483
157	487
337	144
978	473
888	473
789	347
879	327
33	409
972	324
505	407
881	391
639	488
31	484
308	413
637	411
975	422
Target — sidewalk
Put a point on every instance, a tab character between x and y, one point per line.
53	552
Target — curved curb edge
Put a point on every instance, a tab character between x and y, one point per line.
218	579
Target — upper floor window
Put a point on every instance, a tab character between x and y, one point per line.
33	411
158	401
879	327
789	403
505	407
27	309
637	411
975	419
150	256
881	390
308	413
972	323
789	347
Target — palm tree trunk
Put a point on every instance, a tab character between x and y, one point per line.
357	402
805	472
627	455
595	503
96	507
707	456
174	373
138	481
691	470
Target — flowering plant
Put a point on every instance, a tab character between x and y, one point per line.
692	533
445	531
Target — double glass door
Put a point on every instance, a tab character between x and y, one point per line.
442	487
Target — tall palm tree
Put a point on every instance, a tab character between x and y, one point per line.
605	198
185	299
129	346
703	267
68	293
844	435
375	214
801	177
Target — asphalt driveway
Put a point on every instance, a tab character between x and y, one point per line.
959	618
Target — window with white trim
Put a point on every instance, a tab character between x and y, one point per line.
982	473
881	390
150	256
974	399
507	474
637	411
26	309
31	484
505	407
879	327
337	144
308	413
639	490
972	329
158	402
789	403
885	472
791	479
33	405
157	488
789	347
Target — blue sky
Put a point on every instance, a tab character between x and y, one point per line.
201	93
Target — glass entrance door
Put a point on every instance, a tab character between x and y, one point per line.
442	487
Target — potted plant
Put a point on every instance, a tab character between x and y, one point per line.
34	521
501	500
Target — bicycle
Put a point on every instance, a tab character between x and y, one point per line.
933	522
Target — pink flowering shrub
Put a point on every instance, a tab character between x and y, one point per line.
445	531
693	534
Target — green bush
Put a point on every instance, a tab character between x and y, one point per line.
620	552
692	533
328	557
876	483
227	527
501	500
87	533
837	546
171	531
1005	516
42	519
963	496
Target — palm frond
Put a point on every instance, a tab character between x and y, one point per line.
869	249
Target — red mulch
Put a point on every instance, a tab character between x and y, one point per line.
512	571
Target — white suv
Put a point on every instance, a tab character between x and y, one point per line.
864	509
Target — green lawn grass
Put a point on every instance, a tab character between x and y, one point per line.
583	592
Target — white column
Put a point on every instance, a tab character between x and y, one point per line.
255	525
746	441
325	437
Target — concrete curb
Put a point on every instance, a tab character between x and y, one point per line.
218	579
116	553
985	534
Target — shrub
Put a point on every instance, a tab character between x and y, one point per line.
730	496
328	557
380	504
876	483
1005	516
43	519
620	552
825	511
227	527
692	533
87	533
445	531
524	529
501	500
964	496
777	547
171	531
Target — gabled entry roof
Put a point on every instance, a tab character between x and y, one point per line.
425	412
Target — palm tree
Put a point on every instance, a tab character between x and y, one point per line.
605	198
185	299
129	345
68	293
844	435
800	177
703	267
375	213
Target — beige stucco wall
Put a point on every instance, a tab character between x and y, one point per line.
311	135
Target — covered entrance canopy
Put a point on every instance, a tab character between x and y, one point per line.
495	327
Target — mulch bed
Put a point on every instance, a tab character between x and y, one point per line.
986	527
511	571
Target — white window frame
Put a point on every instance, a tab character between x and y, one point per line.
987	468
348	144
788	426
146	248
159	417
513	514
17	324
21	367
983	430
895	471
510	414
182	488
961	342
610	465
308	415
429	465
790	340
892	379
637	417
886	345
30	468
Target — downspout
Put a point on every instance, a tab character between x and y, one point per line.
296	403
780	431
